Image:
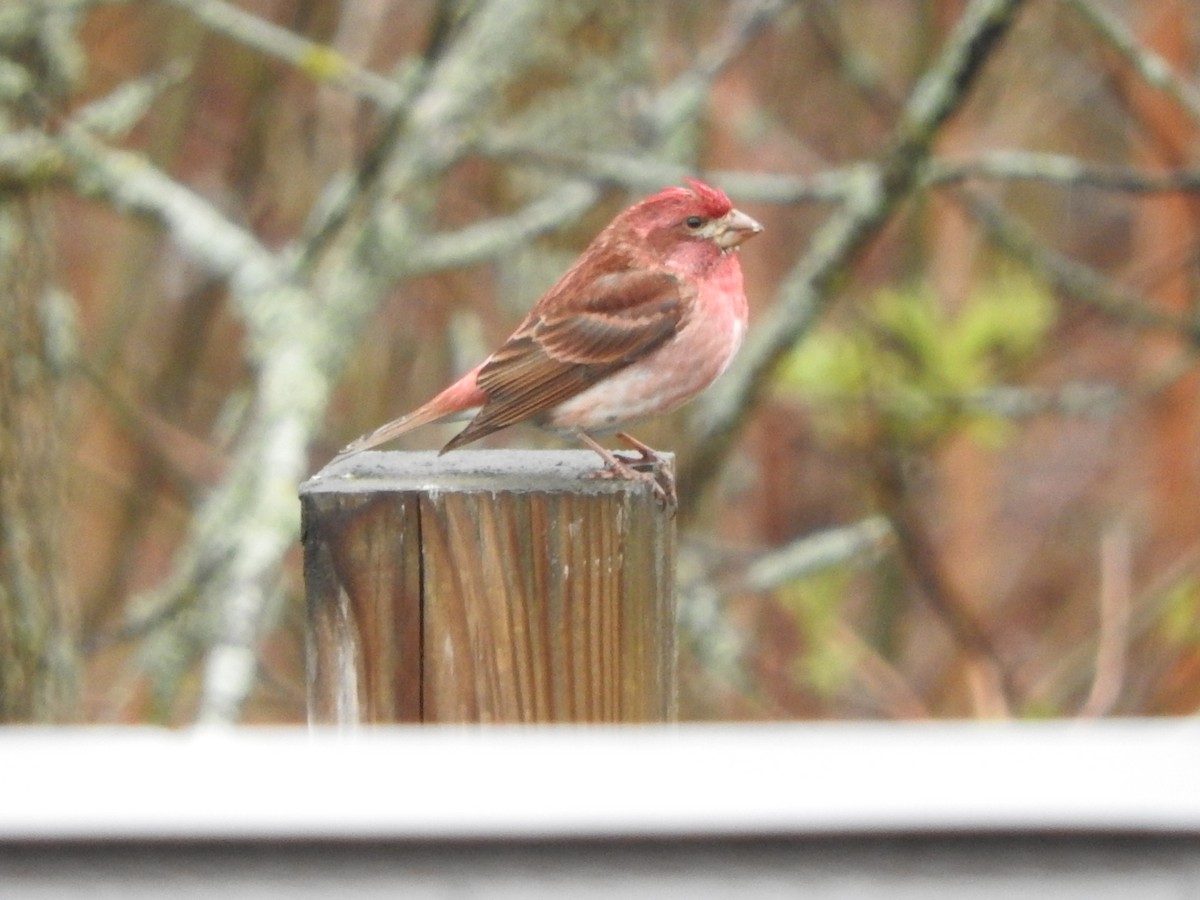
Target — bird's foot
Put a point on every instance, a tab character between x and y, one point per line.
645	467
649	457
619	468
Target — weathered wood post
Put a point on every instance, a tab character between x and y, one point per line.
487	586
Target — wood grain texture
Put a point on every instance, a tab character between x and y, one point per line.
362	575
487	586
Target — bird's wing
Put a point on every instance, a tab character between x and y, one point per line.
562	350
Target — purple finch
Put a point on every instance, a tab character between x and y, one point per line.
647	318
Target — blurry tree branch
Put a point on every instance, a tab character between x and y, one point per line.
992	682
876	191
679	101
488	239
30	159
869	194
39	664
224	577
318	61
1076	279
1080	666
448	102
301	337
1114	605
1080	398
305	306
835	185
16	12
876	677
128	182
39	661
676	106
1059	170
813	553
649	174
1149	65
1020	401
720	647
248	522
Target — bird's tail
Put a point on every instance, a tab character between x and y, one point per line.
458	400
384	433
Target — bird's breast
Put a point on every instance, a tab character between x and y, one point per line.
674	372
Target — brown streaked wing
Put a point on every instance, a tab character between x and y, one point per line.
558	355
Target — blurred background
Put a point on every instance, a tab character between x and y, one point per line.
955	473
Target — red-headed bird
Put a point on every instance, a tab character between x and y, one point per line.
647	318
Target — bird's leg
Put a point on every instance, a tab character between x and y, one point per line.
616	467
646	453
648	456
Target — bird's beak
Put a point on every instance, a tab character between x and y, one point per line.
733	228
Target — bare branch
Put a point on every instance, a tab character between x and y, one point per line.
835	185
814	553
877	676
1060	170
993	688
690	91
1076	666
130	183
1023	401
494	237
1115	602
1152	67
417	142
676	105
318	61
113	115
649	174
304	347
876	190
29	158
721	646
1076	279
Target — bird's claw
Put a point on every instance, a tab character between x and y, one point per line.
661	482
645	468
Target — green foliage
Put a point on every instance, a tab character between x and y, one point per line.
323	63
1180	622
918	367
815	603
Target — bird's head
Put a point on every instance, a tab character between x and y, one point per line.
691	226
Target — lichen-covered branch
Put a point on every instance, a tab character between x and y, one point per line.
302	313
1060	170
834	185
318	61
251	518
375	240
1075	279
130	183
39	659
816	552
39	662
1149	65
875	191
478	141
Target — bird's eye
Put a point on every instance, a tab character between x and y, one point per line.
693	222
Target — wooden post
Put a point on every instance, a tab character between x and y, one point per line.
487	586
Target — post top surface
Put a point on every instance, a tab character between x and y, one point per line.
493	470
